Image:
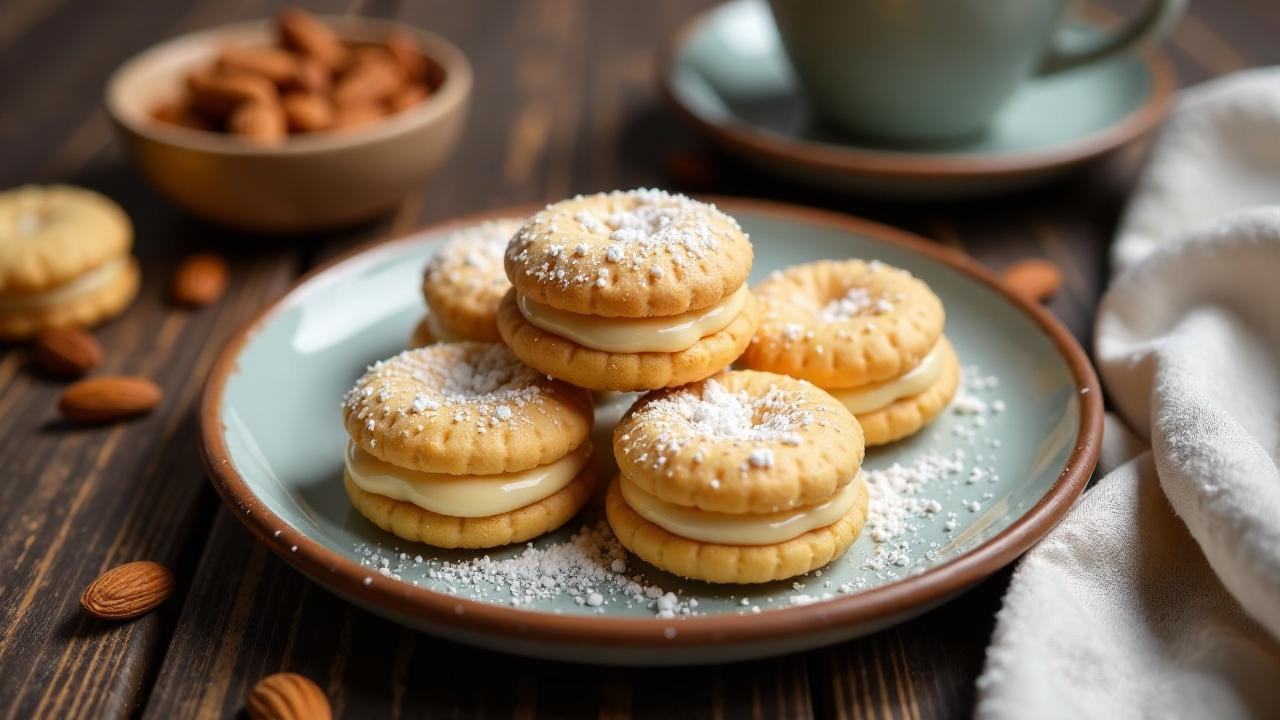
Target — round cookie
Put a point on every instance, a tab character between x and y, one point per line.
51	235
104	298
464	408
465	280
640	253
732	563
603	370
907	415
410	522
843	323
740	442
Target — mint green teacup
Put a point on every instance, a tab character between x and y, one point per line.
933	70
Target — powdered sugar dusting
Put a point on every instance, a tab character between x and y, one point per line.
472	257
477	383
630	230
858	301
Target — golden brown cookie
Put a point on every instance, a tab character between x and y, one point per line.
843	323
464	408
624	371
740	442
465	280
640	253
906	416
720	563
410	522
64	259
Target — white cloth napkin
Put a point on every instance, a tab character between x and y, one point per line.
1158	596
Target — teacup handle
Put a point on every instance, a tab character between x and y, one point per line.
1154	23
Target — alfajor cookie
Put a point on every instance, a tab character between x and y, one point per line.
463	283
64	259
628	291
460	445
745	477
868	333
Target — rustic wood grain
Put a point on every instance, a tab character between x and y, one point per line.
564	103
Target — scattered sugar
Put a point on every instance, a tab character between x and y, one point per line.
856	302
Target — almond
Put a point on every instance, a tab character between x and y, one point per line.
127	591
218	94
302	32
278	66
180	114
353	116
105	399
307	112
312	77
199	280
405	50
406	97
1036	279
288	696
66	352
370	80
259	122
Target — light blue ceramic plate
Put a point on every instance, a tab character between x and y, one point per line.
1022	451
726	72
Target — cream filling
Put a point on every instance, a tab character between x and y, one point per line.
669	333
739	529
869	398
82	285
438	331
464	495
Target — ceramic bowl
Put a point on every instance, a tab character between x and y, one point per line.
312	182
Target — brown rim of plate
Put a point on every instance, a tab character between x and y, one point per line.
932	585
749	140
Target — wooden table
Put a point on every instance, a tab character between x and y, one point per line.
565	102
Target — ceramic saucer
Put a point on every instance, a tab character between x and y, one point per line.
726	72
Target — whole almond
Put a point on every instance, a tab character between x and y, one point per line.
66	352
406	97
288	696
370	80
127	591
104	399
307	112
218	94
313	76
259	122
278	66
1035	279
405	50
199	280
357	115
303	32
180	114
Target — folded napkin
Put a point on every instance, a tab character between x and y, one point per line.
1159	594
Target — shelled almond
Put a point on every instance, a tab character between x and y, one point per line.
312	82
127	591
288	696
107	399
66	352
200	279
1034	278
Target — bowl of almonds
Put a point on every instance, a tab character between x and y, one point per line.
295	124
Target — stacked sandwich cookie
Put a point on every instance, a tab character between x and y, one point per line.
628	291
868	333
64	259
461	445
745	477
463	283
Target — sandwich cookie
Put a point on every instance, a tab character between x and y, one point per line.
64	259
628	291
745	477
460	445
869	334
463	283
